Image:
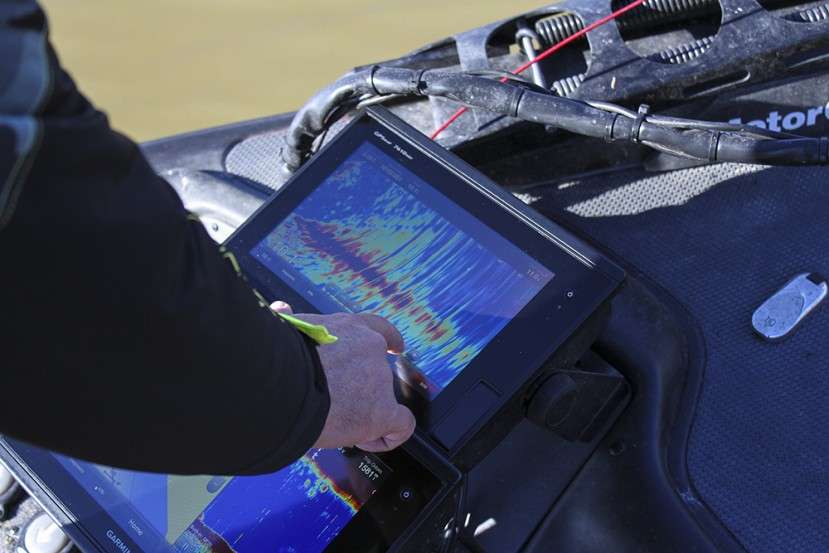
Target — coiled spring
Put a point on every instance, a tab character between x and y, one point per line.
813	15
567	85
556	28
660	12
684	52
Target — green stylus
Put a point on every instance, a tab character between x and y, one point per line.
317	333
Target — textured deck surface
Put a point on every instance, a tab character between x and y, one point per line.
722	240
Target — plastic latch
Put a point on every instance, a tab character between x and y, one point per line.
641	115
786	309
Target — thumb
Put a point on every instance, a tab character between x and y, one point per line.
400	425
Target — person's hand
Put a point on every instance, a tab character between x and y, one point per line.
364	411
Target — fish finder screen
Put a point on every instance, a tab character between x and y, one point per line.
299	509
374	237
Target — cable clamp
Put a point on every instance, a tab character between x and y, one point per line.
636	127
713	146
515	102
416	82
371	73
608	131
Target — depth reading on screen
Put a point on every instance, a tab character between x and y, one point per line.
374	237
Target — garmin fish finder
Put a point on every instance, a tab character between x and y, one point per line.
329	501
488	294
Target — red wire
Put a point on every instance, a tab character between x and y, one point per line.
545	54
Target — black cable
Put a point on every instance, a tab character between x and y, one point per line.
454	526
338	113
681	123
700	140
509	78
375	100
499	74
613	108
461	532
343	110
471	543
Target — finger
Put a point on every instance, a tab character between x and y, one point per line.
401	427
282	307
374	446
394	341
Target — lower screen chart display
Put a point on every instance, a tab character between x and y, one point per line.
299	509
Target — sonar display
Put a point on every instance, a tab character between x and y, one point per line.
375	237
299	509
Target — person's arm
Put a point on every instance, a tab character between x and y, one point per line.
125	337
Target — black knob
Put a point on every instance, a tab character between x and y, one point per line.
553	401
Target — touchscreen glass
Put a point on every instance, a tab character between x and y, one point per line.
299	509
375	237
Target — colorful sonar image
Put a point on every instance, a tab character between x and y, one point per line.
299	509
374	237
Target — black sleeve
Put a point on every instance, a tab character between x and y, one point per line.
125	337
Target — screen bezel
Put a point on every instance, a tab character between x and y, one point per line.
416	466
583	279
